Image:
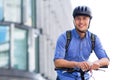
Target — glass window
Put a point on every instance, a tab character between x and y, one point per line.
27	13
1	10
4	46
33	4
12	10
20	49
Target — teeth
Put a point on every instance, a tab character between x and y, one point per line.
81	25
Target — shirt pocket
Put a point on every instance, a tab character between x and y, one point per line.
86	51
72	53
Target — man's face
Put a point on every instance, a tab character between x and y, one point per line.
81	23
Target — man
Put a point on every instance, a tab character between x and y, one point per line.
75	65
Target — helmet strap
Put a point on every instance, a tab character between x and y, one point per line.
89	24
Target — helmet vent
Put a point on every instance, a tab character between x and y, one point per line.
85	8
82	9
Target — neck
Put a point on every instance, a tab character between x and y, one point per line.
81	33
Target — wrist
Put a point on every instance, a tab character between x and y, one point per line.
76	65
98	63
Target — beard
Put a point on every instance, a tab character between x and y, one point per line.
81	31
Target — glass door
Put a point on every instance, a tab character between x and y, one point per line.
20	53
4	46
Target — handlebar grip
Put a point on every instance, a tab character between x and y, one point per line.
106	66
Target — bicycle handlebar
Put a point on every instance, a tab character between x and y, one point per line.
106	66
72	69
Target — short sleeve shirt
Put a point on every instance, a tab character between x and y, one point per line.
78	50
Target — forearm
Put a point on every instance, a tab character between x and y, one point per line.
103	62
65	63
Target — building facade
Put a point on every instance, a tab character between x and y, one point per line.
28	33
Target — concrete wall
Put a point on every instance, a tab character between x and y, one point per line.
53	17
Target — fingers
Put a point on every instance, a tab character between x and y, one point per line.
84	65
95	66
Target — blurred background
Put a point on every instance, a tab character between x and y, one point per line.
29	30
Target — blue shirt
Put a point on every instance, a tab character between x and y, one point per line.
78	50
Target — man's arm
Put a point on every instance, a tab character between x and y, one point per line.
103	62
100	63
62	63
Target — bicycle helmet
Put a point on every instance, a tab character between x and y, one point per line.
82	10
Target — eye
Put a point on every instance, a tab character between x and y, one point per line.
85	17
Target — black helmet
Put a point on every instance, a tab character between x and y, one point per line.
82	10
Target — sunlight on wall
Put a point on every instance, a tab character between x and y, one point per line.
105	24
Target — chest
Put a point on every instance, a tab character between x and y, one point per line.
79	48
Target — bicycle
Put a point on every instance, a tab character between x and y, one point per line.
82	72
100	69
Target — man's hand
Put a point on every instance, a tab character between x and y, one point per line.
99	63
95	65
85	65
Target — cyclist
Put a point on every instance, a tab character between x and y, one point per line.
74	62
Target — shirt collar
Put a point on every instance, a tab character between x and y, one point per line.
77	35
